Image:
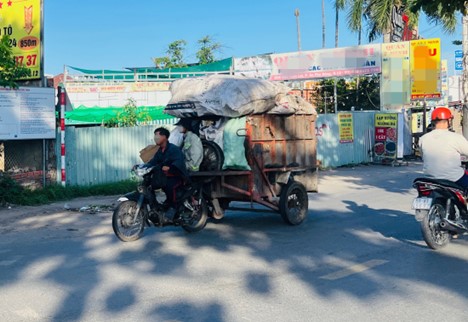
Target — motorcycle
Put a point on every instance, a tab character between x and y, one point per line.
145	207
441	208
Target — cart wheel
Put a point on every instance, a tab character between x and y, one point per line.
213	157
293	203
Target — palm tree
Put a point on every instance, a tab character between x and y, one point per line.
442	12
356	15
323	23
378	14
339	5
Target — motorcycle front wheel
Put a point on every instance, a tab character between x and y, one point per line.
126	226
433	235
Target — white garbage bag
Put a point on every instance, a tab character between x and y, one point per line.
212	130
291	104
223	95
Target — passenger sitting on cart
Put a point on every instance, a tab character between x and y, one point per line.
192	147
170	160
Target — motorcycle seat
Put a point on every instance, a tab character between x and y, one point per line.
442	182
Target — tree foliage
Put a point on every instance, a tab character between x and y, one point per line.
208	48
129	116
161	62
175	54
377	14
349	95
355	17
10	72
174	57
439	10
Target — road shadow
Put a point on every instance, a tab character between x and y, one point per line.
174	275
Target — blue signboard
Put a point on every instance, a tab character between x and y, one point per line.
458	59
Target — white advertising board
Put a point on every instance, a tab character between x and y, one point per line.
117	95
27	113
253	66
324	63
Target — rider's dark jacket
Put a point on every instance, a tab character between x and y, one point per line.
171	157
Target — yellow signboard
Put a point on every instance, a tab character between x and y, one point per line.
345	123
21	21
386	120
425	68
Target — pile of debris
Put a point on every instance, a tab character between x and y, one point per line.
233	96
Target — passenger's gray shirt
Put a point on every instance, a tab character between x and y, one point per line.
441	152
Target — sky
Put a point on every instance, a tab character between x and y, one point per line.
114	34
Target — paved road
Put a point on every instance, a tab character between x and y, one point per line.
358	257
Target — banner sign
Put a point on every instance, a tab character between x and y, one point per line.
425	68
21	21
395	86
345	125
84	94
254	66
27	113
117	88
385	147
334	62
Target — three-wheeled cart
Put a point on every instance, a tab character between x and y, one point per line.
281	152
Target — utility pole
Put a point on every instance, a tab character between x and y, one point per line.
296	13
465	72
326	112
2	156
335	95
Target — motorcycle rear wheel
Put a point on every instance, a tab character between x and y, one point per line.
125	227
433	235
196	221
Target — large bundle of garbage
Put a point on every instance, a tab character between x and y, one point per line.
224	101
232	96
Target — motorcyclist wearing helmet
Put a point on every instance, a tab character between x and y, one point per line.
442	149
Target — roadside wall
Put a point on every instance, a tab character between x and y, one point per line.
332	153
98	155
31	163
